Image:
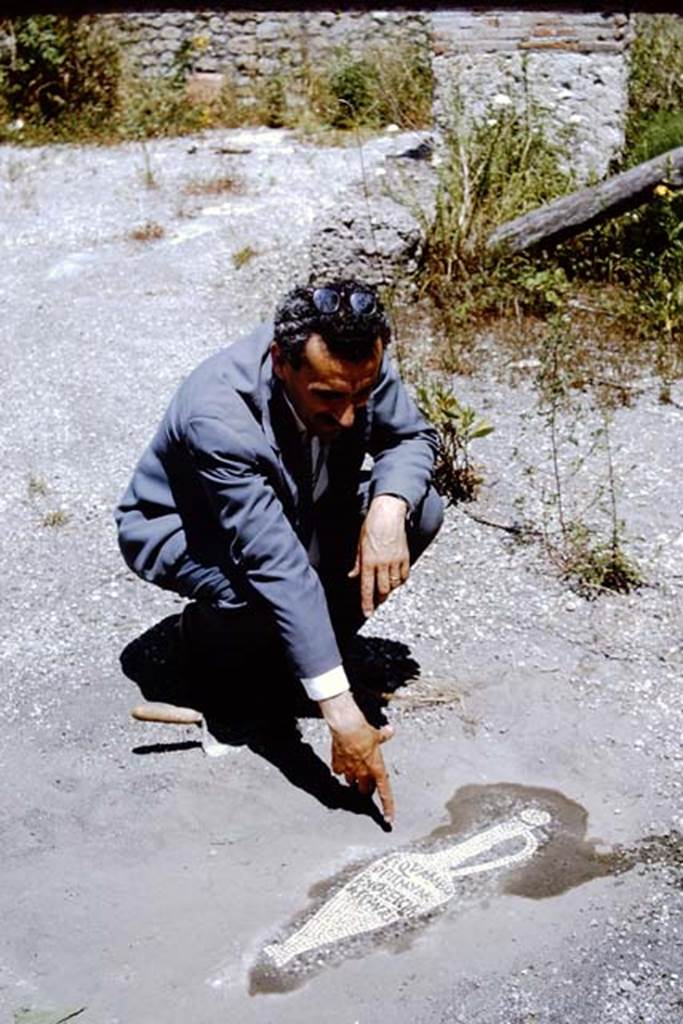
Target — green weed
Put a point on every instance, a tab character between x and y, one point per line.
36	487
595	567
590	563
655	87
662	132
633	265
353	86
456	476
273	103
156	108
382	85
150	231
243	256
56	519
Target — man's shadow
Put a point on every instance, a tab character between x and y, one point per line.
258	703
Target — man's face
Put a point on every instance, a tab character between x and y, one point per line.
325	390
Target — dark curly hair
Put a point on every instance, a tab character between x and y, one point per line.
347	334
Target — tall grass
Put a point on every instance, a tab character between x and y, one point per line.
490	172
384	85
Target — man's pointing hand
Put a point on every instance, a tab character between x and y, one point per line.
356	752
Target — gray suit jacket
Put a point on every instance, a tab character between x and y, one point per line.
219	481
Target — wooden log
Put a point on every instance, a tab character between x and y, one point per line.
572	214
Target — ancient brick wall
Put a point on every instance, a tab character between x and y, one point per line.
570	69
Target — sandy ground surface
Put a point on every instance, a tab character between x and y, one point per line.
140	879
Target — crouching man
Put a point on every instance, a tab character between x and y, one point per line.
251	499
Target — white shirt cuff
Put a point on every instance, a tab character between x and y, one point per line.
329	684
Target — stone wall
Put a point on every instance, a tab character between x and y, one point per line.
570	69
251	45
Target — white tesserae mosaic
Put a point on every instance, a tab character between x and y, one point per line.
405	885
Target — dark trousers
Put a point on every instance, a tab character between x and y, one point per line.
223	632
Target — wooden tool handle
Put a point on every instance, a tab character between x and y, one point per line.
157	711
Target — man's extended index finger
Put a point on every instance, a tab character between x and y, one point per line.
386	797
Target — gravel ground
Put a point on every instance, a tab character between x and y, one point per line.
140	880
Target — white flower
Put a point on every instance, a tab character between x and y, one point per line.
391	128
16	126
491	122
500	100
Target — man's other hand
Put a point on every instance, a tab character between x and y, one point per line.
356	752
382	558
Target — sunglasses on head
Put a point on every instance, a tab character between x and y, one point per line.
329	300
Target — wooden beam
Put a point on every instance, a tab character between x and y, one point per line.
580	210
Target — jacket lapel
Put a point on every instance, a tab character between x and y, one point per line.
284	439
262	391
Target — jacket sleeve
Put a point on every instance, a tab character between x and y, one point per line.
402	443
261	543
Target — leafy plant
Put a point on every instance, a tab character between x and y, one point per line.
183	61
389	84
56	70
660	133
655	86
455	475
156	108
543	288
353	85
